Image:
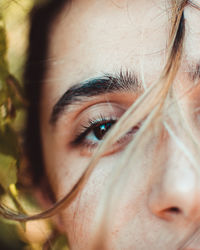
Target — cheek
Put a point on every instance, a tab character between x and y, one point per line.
81	220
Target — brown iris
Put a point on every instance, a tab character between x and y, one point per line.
100	130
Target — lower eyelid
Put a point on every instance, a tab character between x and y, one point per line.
89	147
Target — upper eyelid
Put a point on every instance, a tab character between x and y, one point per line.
77	110
124	81
88	103
97	112
122	100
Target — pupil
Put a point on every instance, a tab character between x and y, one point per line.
101	130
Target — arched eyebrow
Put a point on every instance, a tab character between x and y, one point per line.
107	83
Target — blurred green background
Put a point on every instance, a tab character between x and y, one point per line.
16	18
14	29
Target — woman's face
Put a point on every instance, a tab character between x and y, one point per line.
101	57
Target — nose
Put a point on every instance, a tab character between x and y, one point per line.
176	192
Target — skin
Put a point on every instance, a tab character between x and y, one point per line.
160	200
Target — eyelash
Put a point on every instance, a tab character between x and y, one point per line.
80	138
90	145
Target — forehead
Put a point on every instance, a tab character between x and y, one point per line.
92	37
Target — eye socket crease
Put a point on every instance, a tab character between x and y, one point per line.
107	83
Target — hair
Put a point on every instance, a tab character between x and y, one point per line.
41	21
150	106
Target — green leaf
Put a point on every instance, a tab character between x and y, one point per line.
16	91
9	237
9	142
8	171
60	243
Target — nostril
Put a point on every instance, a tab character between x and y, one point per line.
170	213
174	210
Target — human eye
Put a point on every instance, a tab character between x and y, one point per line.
95	124
95	130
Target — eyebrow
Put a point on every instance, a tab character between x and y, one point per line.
107	83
